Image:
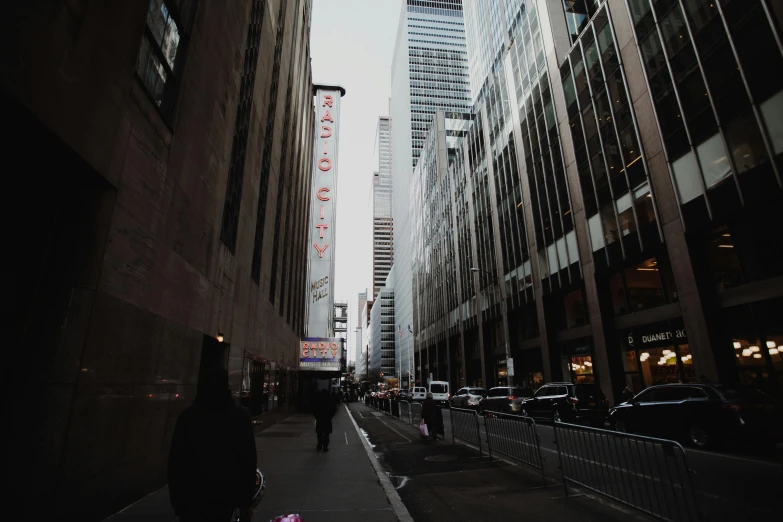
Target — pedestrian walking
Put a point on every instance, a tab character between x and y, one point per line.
431	415
323	411
212	461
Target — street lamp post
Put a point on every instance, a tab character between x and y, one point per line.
504	317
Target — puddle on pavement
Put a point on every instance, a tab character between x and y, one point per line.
398	481
367	438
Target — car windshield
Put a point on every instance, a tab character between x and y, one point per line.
438	388
744	394
477	391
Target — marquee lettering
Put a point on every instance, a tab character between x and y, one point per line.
315	285
321	227
320	249
327	100
325	164
326	147
322	212
326	132
322	197
327	117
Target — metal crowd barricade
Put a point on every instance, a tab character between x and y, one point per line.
405	411
645	473
465	426
415	413
515	437
395	408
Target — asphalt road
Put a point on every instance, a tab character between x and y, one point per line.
729	487
442	482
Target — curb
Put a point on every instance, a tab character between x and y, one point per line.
399	509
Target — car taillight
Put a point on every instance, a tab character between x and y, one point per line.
730	407
512	397
573	401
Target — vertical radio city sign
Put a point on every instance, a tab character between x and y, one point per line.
322	210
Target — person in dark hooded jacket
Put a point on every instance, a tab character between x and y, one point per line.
212	462
323	411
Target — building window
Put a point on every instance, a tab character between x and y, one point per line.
726	272
643	286
160	54
575	309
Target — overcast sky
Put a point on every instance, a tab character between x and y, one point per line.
351	43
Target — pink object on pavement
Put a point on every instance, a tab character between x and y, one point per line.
287	518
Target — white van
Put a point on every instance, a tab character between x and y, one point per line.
440	391
418	393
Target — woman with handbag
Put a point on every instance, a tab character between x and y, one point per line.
429	416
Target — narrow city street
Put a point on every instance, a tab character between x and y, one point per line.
731	487
443	482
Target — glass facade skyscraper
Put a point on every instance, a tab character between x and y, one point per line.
429	73
608	212
382	224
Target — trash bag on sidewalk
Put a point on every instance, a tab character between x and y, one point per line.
423	431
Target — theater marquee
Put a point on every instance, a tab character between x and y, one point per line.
325	354
322	211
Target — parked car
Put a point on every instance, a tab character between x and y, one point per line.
504	399
404	395
440	392
467	398
701	415
568	402
419	393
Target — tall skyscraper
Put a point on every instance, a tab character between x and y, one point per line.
429	73
361	303
616	191
486	34
382	223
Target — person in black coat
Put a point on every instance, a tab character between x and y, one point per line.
323	411
432	416
212	462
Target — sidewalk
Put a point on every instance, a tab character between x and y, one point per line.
341	485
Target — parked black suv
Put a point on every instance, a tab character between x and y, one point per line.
568	402
702	415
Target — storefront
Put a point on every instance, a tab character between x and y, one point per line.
656	354
265	384
576	358
501	371
754	333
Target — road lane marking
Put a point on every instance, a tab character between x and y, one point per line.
346	437
395	431
400	511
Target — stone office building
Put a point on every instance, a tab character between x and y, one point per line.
159	161
617	195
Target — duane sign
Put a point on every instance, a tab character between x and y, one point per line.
322	211
324	354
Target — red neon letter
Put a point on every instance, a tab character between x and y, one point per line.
327	117
327	100
322	212
324	164
323	198
326	132
321	250
321	227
